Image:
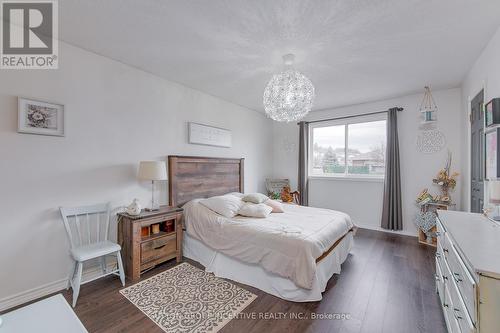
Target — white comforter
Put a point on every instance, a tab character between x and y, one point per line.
286	244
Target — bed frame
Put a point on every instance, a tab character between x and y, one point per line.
191	177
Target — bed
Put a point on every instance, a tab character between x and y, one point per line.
291	255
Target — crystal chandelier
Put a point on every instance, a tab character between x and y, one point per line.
289	95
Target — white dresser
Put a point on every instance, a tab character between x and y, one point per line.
468	271
50	315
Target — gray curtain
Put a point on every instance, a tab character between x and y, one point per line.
391	212
303	163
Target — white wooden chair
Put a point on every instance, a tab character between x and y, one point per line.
87	228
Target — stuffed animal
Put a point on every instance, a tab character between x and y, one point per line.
286	195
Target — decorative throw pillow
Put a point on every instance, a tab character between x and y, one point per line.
275	205
256	198
225	205
255	210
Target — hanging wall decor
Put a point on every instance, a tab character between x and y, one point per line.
200	134
428	108
492	153
430	141
37	117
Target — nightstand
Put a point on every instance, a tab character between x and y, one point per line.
149	239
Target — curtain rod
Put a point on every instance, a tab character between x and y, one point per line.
353	116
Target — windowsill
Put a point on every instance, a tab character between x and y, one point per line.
350	178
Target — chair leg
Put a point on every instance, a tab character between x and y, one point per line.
72	276
104	268
76	282
120	267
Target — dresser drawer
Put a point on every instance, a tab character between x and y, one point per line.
463	281
440	230
440	254
158	248
459	310
439	281
446	245
451	320
445	269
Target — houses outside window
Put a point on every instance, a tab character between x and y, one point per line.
353	147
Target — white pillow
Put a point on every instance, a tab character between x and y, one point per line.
256	198
275	205
255	210
236	194
225	205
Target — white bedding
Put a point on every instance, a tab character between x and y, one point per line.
286	244
254	275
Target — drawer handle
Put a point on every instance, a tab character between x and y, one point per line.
457	277
445	250
159	247
437	277
445	305
445	277
455	313
438	255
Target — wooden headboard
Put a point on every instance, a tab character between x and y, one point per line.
191	177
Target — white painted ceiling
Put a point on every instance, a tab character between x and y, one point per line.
354	51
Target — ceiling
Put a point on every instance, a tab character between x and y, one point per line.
353	51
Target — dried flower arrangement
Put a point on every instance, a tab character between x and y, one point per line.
446	180
425	220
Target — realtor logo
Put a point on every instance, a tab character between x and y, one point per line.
29	35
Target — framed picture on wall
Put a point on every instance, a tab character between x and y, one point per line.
36	117
492	112
209	135
492	153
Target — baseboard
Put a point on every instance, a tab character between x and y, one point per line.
402	232
46	289
32	294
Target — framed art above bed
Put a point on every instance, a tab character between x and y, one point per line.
192	177
206	135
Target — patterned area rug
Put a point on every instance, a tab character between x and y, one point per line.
187	299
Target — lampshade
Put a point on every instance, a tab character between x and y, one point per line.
152	170
494	189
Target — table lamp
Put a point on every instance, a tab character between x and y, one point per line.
152	170
494	197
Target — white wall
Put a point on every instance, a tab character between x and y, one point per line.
116	116
363	199
485	73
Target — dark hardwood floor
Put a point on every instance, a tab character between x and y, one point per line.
386	285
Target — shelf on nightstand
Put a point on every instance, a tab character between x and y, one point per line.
156	236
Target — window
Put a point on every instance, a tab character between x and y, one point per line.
352	148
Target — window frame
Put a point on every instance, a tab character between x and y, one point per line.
346	122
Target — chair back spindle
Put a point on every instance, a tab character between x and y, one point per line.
82	223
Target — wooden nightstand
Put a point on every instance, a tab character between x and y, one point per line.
149	239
